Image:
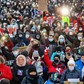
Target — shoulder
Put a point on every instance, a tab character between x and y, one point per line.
65	71
6	67
78	61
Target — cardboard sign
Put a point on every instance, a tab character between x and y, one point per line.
42	5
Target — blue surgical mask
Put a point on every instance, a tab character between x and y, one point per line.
51	39
20	35
44	31
61	40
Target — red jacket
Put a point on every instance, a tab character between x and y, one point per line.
52	67
6	72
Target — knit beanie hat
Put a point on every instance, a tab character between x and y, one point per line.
71	61
35	53
31	68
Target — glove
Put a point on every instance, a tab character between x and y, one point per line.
46	51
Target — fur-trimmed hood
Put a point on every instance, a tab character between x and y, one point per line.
23	58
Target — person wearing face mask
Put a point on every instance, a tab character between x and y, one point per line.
19	69
61	42
70	73
80	65
27	38
80	35
15	51
56	65
20	39
37	62
52	43
32	76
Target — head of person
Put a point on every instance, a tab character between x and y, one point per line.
82	57
80	35
21	60
61	39
56	59
65	24
51	37
20	34
35	55
68	48
59	24
71	64
32	73
15	51
27	35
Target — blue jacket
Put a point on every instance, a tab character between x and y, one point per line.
67	74
56	53
79	66
48	82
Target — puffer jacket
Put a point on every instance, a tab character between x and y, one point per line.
67	74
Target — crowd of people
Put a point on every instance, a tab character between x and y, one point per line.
41	47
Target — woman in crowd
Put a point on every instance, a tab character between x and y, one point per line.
19	69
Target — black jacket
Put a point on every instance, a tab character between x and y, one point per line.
18	73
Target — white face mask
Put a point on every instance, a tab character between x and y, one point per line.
15	53
79	38
27	36
20	35
71	68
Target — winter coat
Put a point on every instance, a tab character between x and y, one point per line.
8	55
79	65
6	72
18	73
67	74
48	82
27	80
52	66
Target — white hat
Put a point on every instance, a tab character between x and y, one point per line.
71	61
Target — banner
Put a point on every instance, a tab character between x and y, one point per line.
42	5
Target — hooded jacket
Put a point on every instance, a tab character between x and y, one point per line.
5	70
30	80
19	72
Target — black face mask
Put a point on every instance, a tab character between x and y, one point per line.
33	76
36	58
56	61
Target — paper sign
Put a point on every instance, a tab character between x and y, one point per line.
76	80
